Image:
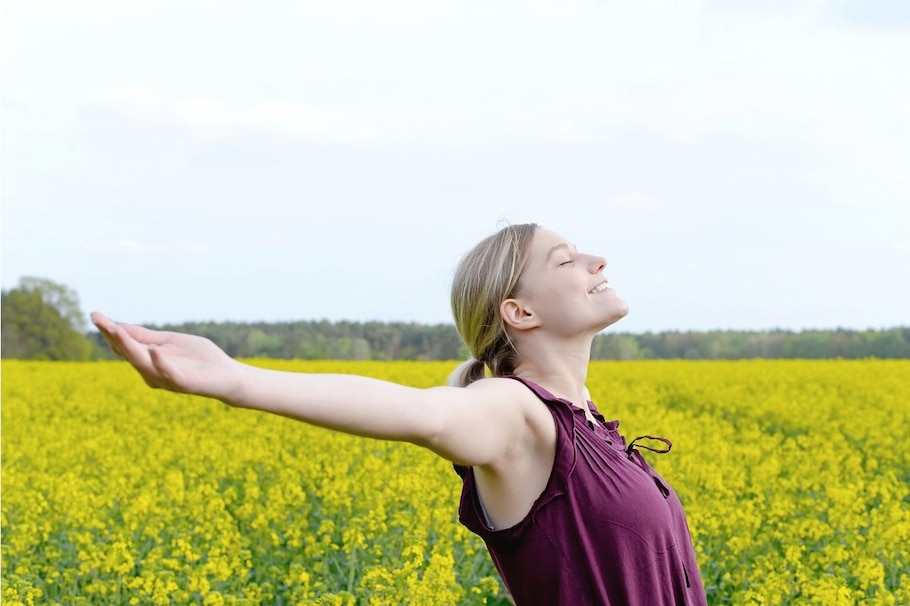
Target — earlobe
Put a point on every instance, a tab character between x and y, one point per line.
517	316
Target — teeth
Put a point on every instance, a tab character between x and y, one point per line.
600	288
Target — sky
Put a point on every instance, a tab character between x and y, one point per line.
741	165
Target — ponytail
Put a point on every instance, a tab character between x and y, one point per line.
467	372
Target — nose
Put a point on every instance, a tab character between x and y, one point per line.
597	264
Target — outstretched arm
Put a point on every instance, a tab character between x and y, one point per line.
476	425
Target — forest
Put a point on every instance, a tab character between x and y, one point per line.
324	340
42	320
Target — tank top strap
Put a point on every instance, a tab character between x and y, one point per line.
539	391
554	401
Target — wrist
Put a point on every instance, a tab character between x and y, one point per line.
233	391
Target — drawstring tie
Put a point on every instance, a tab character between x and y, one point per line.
630	450
658	451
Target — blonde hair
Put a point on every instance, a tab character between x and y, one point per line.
489	274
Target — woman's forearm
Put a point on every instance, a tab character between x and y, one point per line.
353	404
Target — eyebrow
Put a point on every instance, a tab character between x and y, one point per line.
559	246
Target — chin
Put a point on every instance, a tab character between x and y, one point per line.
619	312
624	310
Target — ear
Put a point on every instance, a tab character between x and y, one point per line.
515	314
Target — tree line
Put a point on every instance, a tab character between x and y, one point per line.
403	341
42	320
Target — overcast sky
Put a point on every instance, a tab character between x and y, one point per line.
742	165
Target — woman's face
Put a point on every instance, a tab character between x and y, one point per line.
565	290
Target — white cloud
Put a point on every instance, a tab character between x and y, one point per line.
308	123
203	115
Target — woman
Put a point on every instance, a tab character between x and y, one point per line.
570	513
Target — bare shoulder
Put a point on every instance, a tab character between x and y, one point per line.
486	423
505	392
502	391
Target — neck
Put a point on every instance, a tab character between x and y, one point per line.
560	367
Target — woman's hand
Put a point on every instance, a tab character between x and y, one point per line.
173	361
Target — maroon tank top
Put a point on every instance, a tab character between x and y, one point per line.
607	529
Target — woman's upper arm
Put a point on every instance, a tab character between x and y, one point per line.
478	424
474	425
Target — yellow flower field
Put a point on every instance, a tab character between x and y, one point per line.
794	475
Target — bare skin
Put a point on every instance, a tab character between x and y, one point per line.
495	425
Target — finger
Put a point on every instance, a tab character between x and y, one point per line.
113	345
145	335
104	324
108	337
100	320
132	350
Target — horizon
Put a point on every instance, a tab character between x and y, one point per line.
608	331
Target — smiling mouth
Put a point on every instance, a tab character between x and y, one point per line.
599	288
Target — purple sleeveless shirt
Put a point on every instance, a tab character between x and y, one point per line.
607	529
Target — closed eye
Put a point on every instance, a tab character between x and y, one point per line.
570	261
